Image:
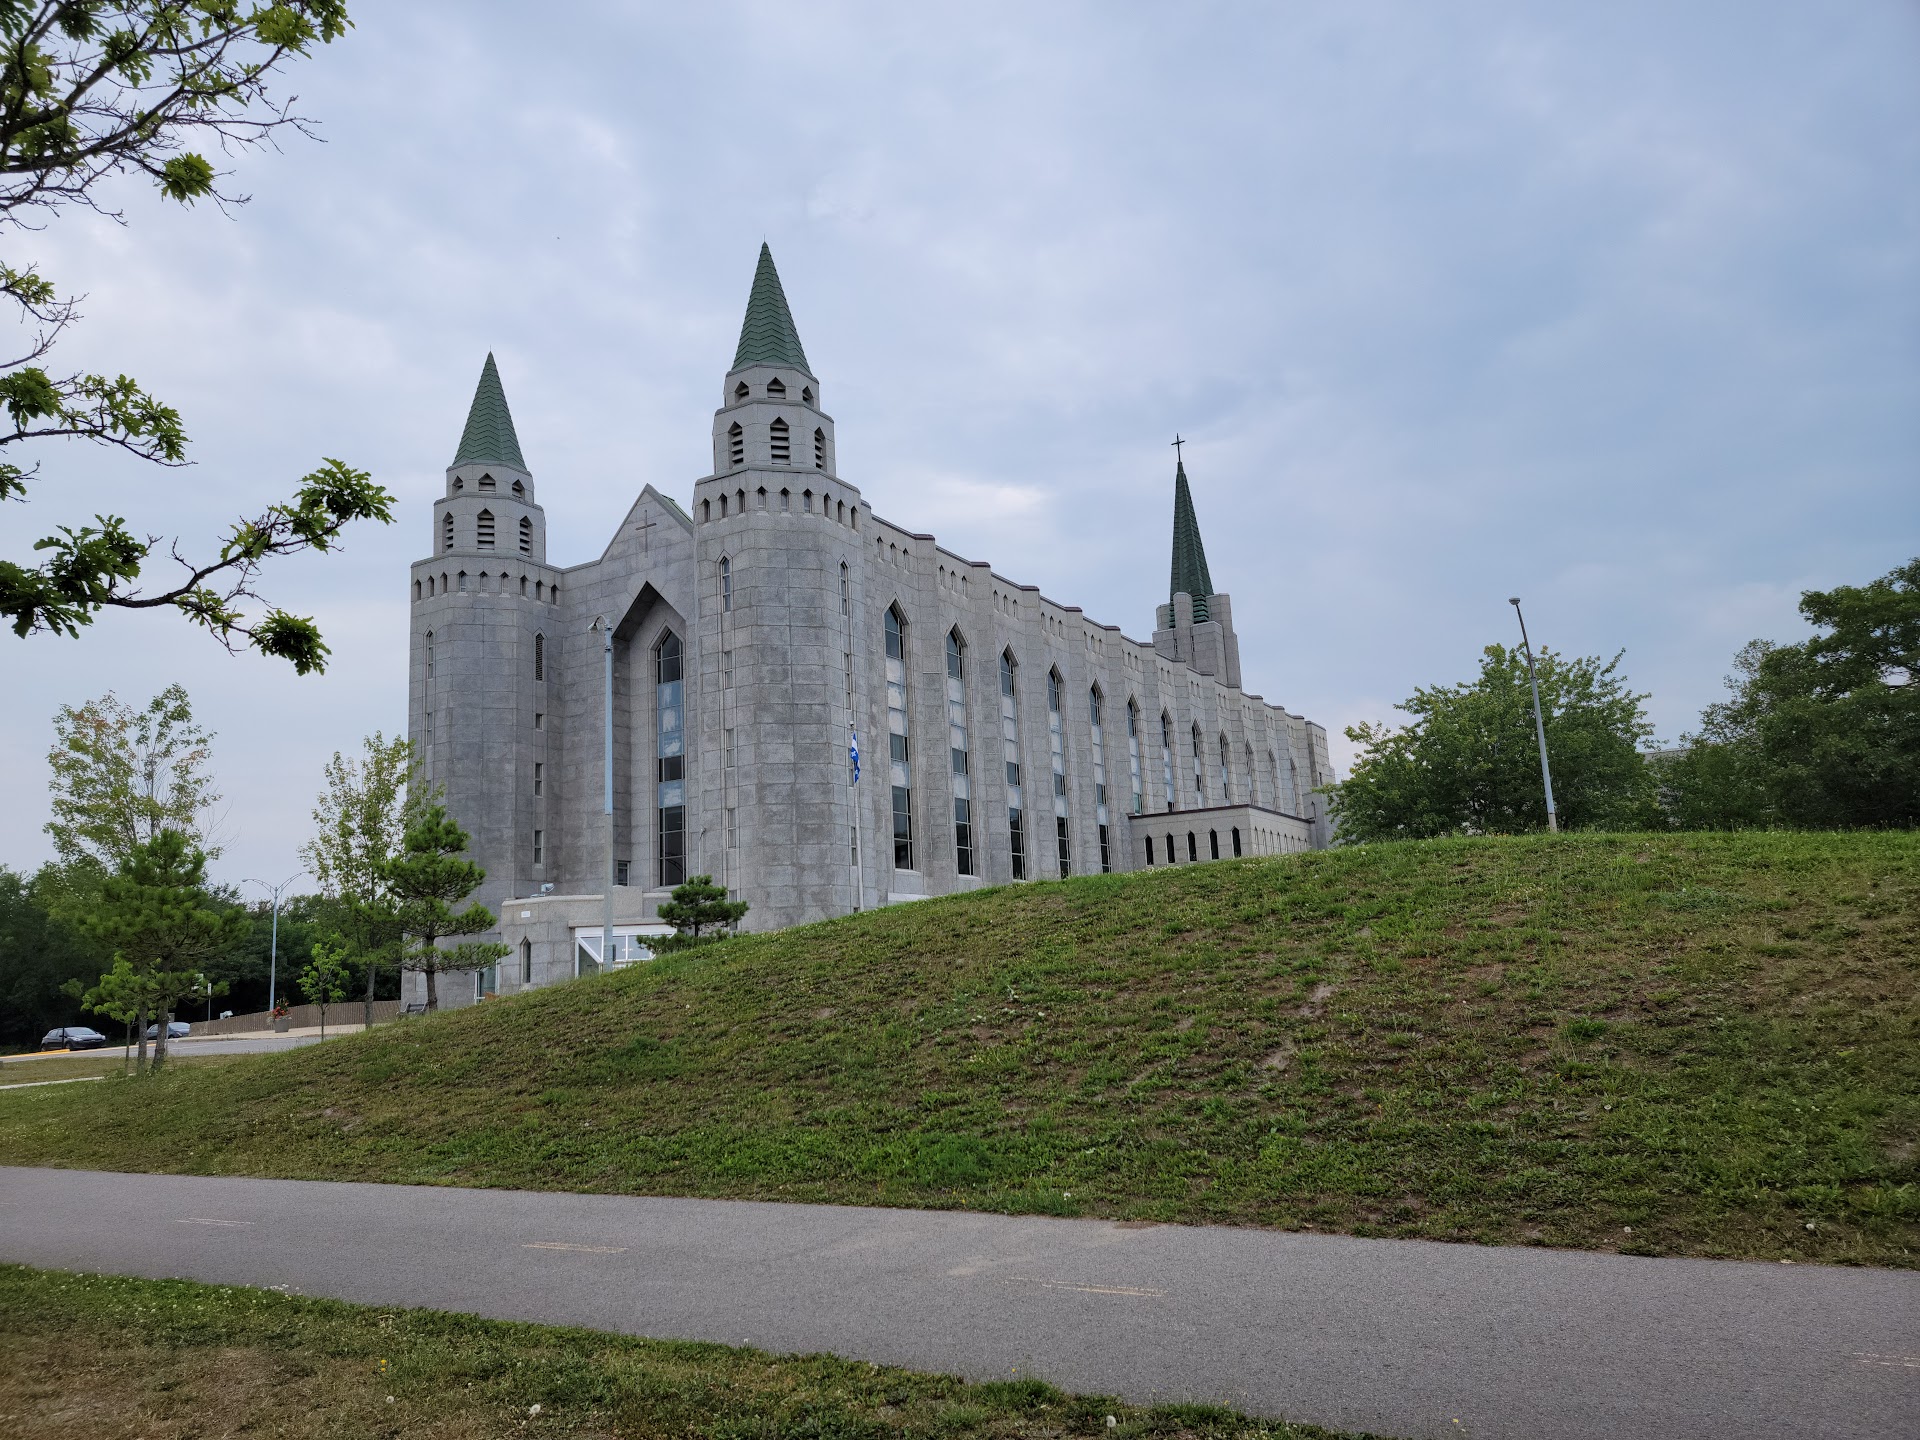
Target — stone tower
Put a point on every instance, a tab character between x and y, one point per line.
1195	626
777	544
484	642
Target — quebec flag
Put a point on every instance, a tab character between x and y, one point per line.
853	753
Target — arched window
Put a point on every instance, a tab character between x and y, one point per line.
446	531
846	591
778	440
1236	842
736	445
1171	858
526	961
670	797
1199	780
762	493
1293	785
1133	755
1226	775
806	501
777	388
1193	848
819	449
706	511
523	586
429	587
900	773
539	657
1057	752
786	501
1094	708
1166	766
726	583
958	748
1253	778
1149	849
740	502
429	654
416	589
460	579
1213	844
841	512
526	536
1010	752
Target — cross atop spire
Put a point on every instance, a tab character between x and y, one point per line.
1189	555
767	335
489	438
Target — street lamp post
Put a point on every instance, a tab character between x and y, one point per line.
273	953
1539	725
605	627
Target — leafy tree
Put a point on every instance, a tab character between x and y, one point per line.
429	878
1821	734
156	915
324	981
121	776
40	953
91	89
1469	763
360	823
697	905
122	995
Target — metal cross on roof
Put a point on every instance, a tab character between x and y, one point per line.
1177	443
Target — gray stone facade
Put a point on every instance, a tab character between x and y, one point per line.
776	586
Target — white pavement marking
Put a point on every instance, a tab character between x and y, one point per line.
576	1249
203	1220
34	1084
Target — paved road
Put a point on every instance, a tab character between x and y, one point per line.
193	1045
1399	1337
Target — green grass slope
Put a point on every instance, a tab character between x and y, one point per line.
1701	1045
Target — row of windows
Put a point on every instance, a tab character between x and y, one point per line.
776	390
483	532
426	587
486	482
1265	842
737	504
779	445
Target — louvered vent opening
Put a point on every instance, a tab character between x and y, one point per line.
782	448
776	388
819	449
526	535
736	445
483	523
446	532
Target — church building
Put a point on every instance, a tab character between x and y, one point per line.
690	702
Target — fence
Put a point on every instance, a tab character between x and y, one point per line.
302	1017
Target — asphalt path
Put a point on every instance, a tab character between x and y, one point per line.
1402	1338
258	1044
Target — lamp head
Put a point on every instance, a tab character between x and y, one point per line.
1514	600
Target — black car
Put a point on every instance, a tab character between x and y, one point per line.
176	1030
73	1037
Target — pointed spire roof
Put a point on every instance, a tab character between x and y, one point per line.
489	438
1189	555
767	336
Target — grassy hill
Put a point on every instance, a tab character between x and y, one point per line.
1712	1040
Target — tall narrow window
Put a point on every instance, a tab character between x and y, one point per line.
429	654
446	531
539	657
526	535
1166	764
1273	774
780	443
1010	751
1199	777
1253	778
1099	775
1226	775
526	961
1293	787
819	449
736	444
957	744
539	846
539	777
846	591
670	757
726	583
1133	755
483	529
1057	751
901	775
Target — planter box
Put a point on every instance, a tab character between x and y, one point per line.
283	1024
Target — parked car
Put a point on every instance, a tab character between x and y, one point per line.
176	1030
73	1037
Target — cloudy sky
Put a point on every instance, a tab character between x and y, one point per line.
1612	306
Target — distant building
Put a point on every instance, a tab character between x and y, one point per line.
1003	736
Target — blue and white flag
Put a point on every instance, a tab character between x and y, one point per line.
853	752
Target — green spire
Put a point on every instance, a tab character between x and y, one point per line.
1189	555
767	336
489	438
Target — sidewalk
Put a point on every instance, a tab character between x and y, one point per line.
1398	1337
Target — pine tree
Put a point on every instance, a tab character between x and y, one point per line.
428	878
699	904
